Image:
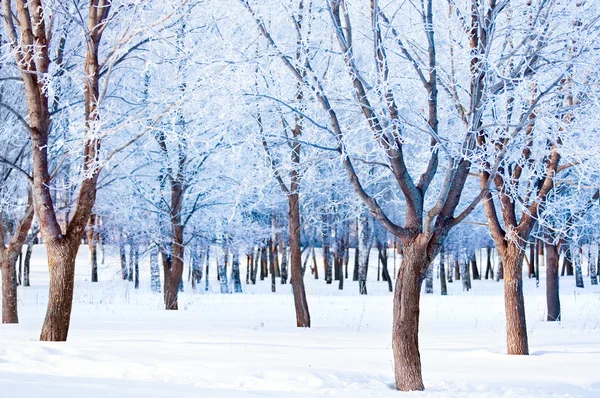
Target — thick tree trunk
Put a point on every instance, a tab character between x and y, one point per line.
61	263
552	283
405	334
516	327
9	289
300	303
173	267
443	287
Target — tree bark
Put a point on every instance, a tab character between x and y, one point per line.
577	265
405	336
154	270
61	262
235	272
9	288
27	264
443	287
489	270
552	282
93	248
365	240
300	303
516	327
474	267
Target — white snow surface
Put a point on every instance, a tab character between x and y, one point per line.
123	344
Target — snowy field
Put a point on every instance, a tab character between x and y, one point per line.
122	344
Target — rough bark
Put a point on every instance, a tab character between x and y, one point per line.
405	336
61	262
300	302
516	327
9	289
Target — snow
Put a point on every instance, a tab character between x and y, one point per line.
122	344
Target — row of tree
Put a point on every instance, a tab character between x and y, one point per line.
177	125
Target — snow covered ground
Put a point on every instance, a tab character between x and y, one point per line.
122	344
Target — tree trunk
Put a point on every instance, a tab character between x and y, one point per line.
531	261
249	263
131	260
489	271
154	270
136	266
27	264
449	268
474	267
405	334
235	272
272	261
9	289
593	267
93	247
577	262
364	241
206	284
516	327
263	262
315	269
222	271
552	283
567	263
284	260
300	303
61	263
123	257
327	253
443	287
456	266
